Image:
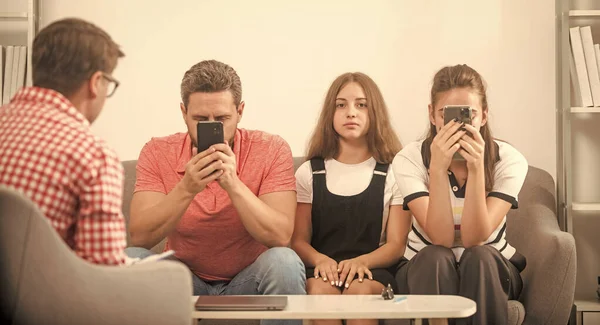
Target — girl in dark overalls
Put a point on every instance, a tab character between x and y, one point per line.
350	226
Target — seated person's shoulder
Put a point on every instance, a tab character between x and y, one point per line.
104	154
268	147
167	144
268	157
262	138
304	170
412	151
415	146
509	154
83	146
86	156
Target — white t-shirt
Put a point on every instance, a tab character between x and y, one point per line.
347	180
413	182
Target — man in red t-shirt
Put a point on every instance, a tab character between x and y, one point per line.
227	212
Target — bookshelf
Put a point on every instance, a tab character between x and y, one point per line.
584	13
578	143
13	15
31	18
585	206
585	110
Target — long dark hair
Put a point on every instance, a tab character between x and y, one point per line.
463	76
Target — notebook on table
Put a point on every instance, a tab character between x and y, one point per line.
241	303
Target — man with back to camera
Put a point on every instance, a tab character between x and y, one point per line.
47	149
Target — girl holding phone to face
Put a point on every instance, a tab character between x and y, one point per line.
350	226
457	244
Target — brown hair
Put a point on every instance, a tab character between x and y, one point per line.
208	77
382	140
463	76
68	52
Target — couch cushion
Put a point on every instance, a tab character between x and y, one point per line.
298	161
129	167
128	187
516	312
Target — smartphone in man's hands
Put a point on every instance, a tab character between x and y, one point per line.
460	113
209	133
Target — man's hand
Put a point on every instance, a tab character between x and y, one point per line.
201	170
225	163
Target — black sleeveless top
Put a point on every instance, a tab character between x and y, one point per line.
344	227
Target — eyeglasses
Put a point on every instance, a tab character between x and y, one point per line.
113	84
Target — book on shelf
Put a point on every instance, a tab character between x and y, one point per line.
580	67
591	63
21	68
597	52
8	68
575	89
13	69
1	72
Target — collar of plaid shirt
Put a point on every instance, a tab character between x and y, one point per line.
37	96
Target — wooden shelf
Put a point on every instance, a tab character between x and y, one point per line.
584	13
13	16
587	305
585	206
585	109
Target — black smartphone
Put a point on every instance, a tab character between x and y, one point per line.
462	113
209	133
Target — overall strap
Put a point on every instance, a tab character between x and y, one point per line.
381	169
318	176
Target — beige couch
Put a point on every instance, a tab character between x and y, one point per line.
549	279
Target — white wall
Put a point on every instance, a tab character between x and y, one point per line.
287	53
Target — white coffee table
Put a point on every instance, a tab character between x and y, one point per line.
416	307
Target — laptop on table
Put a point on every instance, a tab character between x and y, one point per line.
241	303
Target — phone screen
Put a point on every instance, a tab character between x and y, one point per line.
209	133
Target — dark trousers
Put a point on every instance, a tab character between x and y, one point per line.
483	275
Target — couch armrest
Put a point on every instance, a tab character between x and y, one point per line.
154	293
549	278
146	294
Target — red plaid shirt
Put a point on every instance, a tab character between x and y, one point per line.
48	152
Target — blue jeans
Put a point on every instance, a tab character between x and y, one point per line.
277	271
